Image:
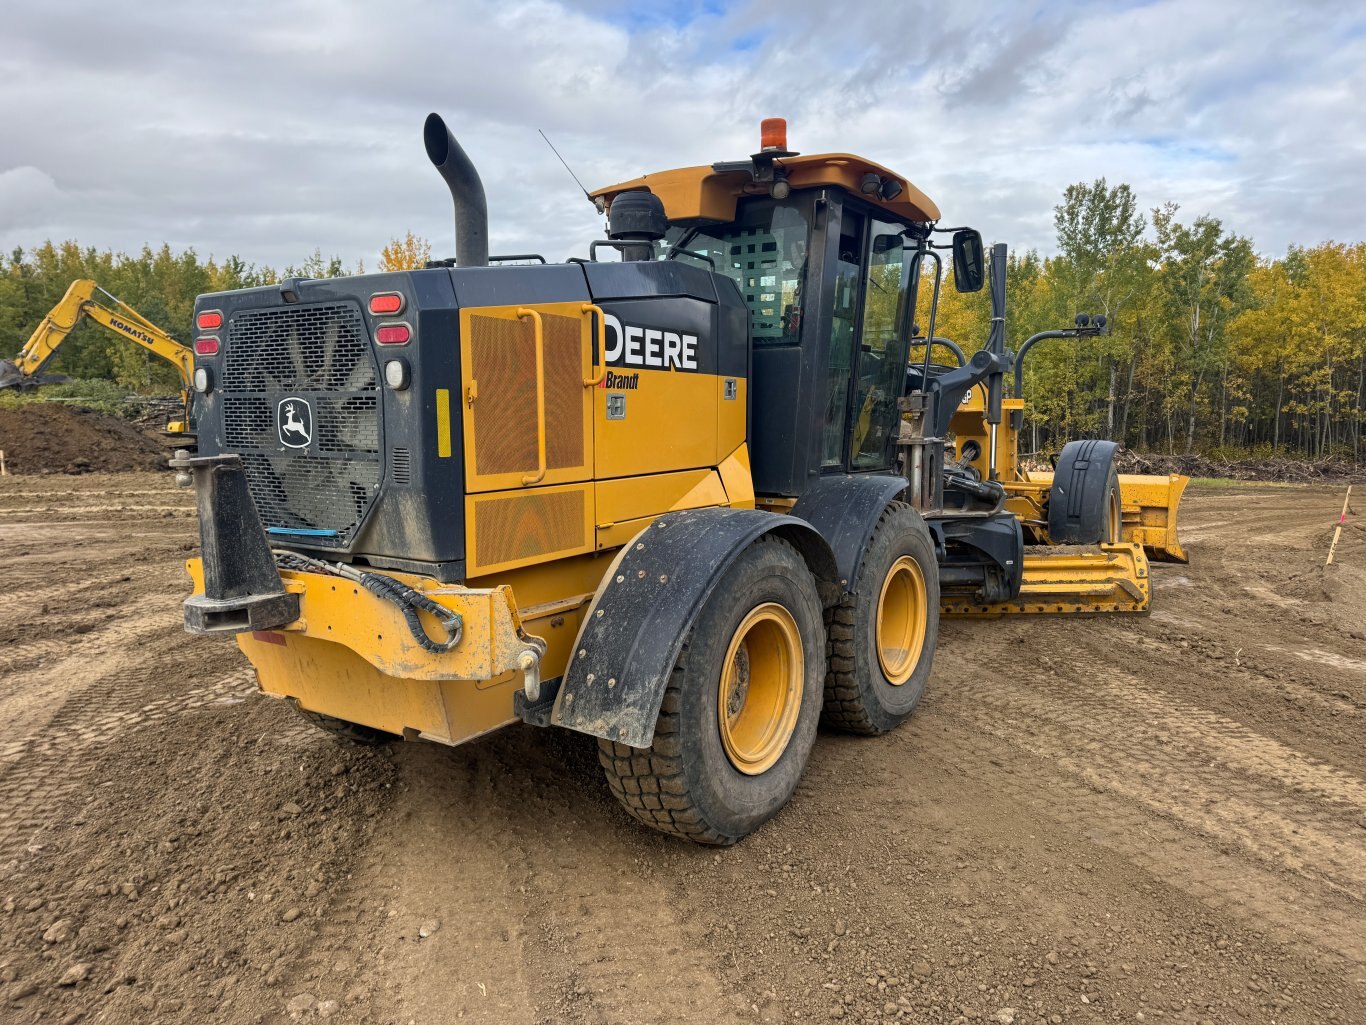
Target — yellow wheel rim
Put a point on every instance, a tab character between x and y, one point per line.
761	688
902	617
1115	516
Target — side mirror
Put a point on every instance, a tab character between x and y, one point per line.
969	269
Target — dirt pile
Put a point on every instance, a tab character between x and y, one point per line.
48	437
1298	471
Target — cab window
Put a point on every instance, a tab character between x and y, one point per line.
764	253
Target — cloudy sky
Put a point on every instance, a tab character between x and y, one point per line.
268	129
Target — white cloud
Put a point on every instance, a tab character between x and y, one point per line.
27	197
266	129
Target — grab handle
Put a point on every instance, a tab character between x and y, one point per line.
596	379
539	331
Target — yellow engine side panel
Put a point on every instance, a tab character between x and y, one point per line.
732	422
668	422
627	505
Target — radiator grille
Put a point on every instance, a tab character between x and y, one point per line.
528	526
320	355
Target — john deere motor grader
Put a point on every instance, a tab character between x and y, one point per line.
655	499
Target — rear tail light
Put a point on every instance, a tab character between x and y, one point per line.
384	304
393	334
206	346
209	320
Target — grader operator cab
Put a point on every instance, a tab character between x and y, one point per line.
658	499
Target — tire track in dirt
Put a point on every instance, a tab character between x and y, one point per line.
542	918
446	874
45	771
1151	768
7	496
85	510
619	950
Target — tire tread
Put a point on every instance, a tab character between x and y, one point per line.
650	783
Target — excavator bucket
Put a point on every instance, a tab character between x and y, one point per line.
1149	505
1073	578
9	374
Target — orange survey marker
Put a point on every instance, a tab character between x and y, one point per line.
1341	520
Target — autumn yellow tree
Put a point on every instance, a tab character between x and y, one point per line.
411	252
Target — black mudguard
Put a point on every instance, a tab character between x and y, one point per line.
647	603
845	509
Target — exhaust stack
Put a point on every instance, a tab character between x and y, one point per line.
467	192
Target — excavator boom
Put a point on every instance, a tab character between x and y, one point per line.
81	301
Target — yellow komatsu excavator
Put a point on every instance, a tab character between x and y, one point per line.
81	301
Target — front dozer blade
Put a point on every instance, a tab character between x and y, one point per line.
1149	503
1104	578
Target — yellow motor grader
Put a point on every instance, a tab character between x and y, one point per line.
687	500
1111	523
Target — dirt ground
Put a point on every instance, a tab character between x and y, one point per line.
1156	819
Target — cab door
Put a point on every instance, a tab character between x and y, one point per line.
868	343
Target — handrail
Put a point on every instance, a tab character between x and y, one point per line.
539	332
597	379
948	343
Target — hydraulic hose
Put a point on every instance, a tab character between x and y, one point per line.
409	601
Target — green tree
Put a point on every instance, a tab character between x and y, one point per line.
1204	273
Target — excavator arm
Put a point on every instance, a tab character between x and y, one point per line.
81	301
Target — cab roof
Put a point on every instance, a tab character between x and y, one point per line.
710	193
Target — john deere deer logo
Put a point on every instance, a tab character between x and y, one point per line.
294	422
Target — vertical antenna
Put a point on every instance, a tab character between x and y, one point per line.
585	192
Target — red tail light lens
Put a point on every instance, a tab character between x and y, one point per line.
209	320
385	303
206	346
392	334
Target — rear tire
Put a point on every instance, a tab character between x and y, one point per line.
342	729
882	639
1084	502
739	714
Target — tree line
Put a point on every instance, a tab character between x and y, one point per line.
1210	346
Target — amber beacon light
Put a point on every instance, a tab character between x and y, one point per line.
773	133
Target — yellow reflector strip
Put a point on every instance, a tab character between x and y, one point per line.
443	423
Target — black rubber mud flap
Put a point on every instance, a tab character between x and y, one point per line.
845	509
635	627
1078	502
